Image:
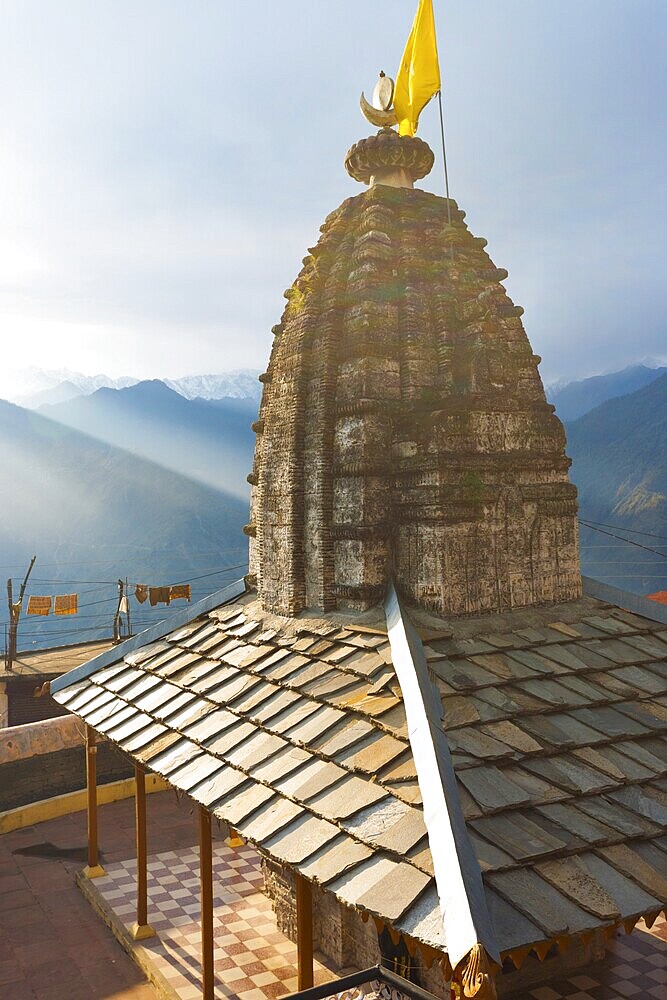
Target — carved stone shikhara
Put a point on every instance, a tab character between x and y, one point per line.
404	429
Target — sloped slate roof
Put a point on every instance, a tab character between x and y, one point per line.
294	732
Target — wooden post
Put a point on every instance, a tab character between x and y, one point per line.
304	932
206	879
141	929
93	869
14	616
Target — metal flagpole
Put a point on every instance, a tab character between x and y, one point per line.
444	157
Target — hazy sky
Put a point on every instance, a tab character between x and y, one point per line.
164	165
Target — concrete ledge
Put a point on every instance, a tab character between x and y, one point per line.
139	954
61	805
38	738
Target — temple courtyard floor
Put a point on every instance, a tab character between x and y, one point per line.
56	946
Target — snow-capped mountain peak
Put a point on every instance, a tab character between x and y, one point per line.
33	387
242	383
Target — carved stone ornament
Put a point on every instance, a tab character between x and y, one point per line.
388	150
477	975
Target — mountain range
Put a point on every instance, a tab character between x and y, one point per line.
619	465
209	441
574	399
93	512
34	387
140	481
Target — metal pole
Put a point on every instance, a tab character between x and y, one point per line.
142	929
304	932
10	604
444	158
206	881
129	626
116	617
93	869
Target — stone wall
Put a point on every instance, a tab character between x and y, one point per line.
44	759
279	887
339	931
22	705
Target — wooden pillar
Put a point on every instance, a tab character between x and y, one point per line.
206	879
304	932
93	869
141	929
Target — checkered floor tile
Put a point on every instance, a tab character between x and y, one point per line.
635	966
253	960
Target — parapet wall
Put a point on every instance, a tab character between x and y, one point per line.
45	759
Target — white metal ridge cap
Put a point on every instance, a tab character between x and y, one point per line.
157	631
458	878
624	599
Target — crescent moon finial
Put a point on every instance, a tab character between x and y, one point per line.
380	112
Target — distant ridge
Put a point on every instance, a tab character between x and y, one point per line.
94	512
209	441
574	399
620	469
34	387
242	383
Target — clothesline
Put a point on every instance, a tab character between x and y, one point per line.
162	595
68	604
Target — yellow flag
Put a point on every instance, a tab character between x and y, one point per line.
418	77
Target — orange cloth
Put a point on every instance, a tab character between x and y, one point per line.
39	605
141	592
66	604
180	591
159	595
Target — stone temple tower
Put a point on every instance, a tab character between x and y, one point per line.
404	432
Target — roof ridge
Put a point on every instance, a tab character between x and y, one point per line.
465	915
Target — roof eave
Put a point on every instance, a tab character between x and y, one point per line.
152	634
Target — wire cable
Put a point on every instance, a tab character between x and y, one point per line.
628	541
618	527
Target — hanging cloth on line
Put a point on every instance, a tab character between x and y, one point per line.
159	595
124	606
141	592
39	605
66	604
181	591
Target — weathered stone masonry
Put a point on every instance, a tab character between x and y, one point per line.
404	428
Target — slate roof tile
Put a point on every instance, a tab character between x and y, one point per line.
242	803
301	839
294	733
391	895
571	877
491	789
347	797
544	906
218	785
136	743
134	724
629	897
334	859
